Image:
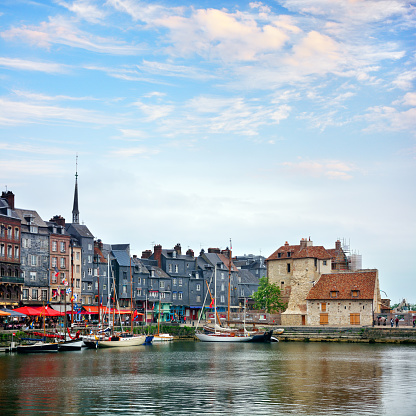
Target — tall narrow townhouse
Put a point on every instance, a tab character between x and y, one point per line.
11	279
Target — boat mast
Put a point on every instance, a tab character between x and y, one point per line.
131	299
72	281
229	281
108	288
215	297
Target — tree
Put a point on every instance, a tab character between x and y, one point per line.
268	297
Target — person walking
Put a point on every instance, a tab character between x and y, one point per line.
392	322
397	322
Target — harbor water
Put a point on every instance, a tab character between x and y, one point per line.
187	378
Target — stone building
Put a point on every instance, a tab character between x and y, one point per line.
295	268
342	299
11	280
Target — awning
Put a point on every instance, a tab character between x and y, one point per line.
38	311
195	307
13	313
4	313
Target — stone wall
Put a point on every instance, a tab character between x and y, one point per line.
339	312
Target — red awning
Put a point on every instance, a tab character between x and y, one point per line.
39	311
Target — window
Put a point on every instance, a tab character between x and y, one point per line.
222	275
222	299
288	267
54	246
282	285
279	255
33	229
333	293
25	294
163	295
355	319
96	284
176	268
355	293
62	246
32	276
198	287
54	278
324	262
9	251
90	247
77	283
124	288
222	287
9	232
44	294
323	319
174	295
89	284
139	291
77	255
162	284
2	250
170	268
54	262
139	281
323	307
77	268
288	253
89	271
62	262
34	294
33	260
174	281
198	298
180	281
89	259
16	233
180	295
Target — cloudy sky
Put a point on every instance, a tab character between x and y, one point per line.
197	122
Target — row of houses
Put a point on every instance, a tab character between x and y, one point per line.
64	265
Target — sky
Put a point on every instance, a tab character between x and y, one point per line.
203	122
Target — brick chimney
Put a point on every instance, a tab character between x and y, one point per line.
158	254
58	219
178	249
146	254
214	250
338	245
190	253
9	197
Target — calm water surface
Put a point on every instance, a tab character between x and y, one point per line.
185	377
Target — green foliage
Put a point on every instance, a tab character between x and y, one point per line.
268	297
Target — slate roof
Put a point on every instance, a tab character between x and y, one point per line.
36	219
344	284
122	257
81	229
247	277
296	252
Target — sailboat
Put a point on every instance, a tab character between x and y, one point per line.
122	339
218	334
161	337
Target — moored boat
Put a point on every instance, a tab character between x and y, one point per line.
162	338
121	340
37	347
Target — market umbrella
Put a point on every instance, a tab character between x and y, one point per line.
27	310
47	311
14	313
4	313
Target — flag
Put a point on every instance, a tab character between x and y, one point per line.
68	290
211	305
75	297
54	293
56	272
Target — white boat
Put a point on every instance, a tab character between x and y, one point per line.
70	345
220	334
121	341
162	338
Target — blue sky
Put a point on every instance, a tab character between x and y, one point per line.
198	122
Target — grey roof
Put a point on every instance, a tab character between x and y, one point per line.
23	214
81	229
122	257
4	207
247	277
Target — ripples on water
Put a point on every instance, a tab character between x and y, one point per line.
183	378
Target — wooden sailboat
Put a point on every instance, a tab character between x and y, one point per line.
161	337
218	334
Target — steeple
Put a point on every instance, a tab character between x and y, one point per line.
75	212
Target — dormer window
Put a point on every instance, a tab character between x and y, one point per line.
333	293
289	253
355	293
279	255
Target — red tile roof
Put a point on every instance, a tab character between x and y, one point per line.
344	284
296	252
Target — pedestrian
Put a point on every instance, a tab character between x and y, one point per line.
392	322
397	322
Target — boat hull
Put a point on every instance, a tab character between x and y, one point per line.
38	347
262	337
222	338
162	338
122	342
72	345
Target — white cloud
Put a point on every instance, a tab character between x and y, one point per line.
331	169
86	9
384	118
154	111
25	65
61	31
135	151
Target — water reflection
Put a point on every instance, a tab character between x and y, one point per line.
194	377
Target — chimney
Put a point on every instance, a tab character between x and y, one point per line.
337	245
214	250
146	254
158	254
190	253
58	219
178	249
134	256
303	243
9	197
226	252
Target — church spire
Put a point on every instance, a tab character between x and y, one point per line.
75	212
